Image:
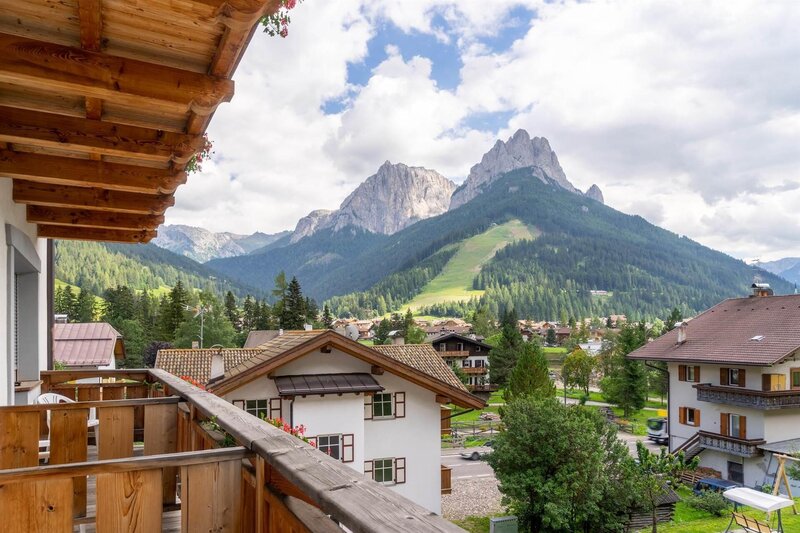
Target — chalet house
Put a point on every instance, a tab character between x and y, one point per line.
199	363
734	384
86	346
469	353
375	409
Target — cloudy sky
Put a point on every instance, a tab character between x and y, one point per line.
686	113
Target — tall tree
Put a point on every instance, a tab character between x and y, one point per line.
231	311
279	293
530	376
382	331
250	311
483	322
503	357
625	383
674	317
577	370
293	308
327	318
84	307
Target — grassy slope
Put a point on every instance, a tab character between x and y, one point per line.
454	283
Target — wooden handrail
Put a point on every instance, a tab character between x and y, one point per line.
69	406
56	377
747	392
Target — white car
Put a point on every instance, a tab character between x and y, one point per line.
477	453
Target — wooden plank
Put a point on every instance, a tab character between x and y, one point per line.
26	192
151	462
129	502
37	507
160	436
19	439
70	171
93	74
63	376
38	407
211	497
68	444
116	432
61	216
96	137
78	233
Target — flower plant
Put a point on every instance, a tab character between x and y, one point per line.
277	23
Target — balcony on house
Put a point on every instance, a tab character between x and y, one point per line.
454	353
167	456
732	445
475	370
742	397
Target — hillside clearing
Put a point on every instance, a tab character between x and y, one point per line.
454	283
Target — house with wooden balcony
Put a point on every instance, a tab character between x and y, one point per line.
103	104
470	354
734	384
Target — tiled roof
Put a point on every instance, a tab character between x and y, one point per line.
85	344
326	384
258	337
196	363
464	338
750	331
272	348
423	358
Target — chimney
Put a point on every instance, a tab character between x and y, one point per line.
760	290
308	327
681	327
217	366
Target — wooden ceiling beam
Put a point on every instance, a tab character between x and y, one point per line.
58	68
91	28
26	192
95	234
64	216
96	137
43	168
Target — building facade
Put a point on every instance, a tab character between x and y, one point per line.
470	354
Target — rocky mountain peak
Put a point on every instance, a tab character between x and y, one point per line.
394	197
594	193
203	245
519	151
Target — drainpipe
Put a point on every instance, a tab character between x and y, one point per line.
666	371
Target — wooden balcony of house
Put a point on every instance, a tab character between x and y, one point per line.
742	397
476	369
732	445
454	353
167	456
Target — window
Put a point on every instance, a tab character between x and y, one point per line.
689	416
460	346
388	470
467	363
256	408
689	373
795	378
479	363
330	444
382	405
734	377
733	425
477	348
736	472
442	347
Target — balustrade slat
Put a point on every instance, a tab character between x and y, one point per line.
129	502
68	444
37	507
116	432
211	497
19	439
160	436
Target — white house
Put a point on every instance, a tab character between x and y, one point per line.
470	354
376	409
23	303
734	384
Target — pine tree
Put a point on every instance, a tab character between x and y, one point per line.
231	311
311	310
503	357
67	305
293	308
250	311
84	307
530	376
327	318
264	316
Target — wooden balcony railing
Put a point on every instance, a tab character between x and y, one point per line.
476	369
447	479
755	399
454	353
732	445
169	456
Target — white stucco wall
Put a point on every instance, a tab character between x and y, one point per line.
415	437
14	214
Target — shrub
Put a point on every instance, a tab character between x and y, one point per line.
709	501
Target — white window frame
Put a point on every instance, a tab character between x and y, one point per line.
690	420
732	372
255	409
325	446
690	373
383	402
390	467
731	431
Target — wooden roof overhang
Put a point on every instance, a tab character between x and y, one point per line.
104	102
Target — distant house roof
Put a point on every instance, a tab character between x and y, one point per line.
257	337
87	344
196	363
419	364
756	331
447	336
326	384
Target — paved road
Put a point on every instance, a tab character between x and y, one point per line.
465	468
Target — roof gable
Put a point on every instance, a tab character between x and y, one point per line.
86	344
463	338
196	363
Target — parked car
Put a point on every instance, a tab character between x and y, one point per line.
478	453
713	483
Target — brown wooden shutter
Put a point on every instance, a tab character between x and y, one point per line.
239	404
400	470
275	410
723	423
682	415
742	427
681	372
347	448
399	404
368	469
742	379
723	376
697	374
367	407
697	417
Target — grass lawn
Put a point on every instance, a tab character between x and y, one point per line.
367	342
454	282
474	524
472	415
497	397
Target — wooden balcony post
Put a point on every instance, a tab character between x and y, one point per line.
160	436
69	437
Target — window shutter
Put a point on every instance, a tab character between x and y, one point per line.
741	377
347	448
400	470
367	407
275	408
681	372
368	469
723	424
682	415
239	404
697	417
723	376
742	427
697	374
399	404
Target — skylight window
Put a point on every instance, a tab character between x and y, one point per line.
757	338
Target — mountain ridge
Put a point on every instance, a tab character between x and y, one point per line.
203	245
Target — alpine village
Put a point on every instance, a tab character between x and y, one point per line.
195	338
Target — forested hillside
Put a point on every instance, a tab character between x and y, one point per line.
100	266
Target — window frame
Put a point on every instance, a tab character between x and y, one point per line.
383	402
690	373
387	463
257	409
731	373
328	446
792	373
